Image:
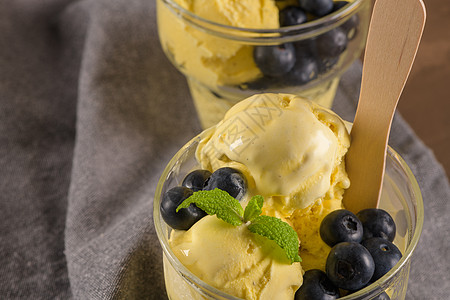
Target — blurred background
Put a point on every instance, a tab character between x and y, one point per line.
425	102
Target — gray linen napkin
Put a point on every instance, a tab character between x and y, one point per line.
90	113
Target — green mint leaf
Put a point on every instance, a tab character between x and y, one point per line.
253	208
280	232
217	202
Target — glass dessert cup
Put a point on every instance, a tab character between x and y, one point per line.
401	197
218	63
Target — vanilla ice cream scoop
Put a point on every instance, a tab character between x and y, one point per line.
209	58
236	261
290	149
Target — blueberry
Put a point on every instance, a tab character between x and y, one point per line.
377	223
305	47
259	84
185	217
331	43
304	70
326	63
337	5
318	8
274	60
385	255
196	180
351	25
292	15
340	226
230	180
349	266
316	285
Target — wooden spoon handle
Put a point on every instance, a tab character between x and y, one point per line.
394	34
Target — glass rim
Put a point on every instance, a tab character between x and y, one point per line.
188	276
306	30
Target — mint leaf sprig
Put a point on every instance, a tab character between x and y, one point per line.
217	202
225	207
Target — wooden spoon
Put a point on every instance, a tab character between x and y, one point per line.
394	36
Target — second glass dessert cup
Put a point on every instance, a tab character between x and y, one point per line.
401	197
218	60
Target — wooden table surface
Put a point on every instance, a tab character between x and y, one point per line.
425	102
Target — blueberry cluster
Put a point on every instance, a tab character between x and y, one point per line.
227	179
300	62
362	252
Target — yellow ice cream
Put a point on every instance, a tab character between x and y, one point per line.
291	149
217	60
208	58
292	152
236	261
